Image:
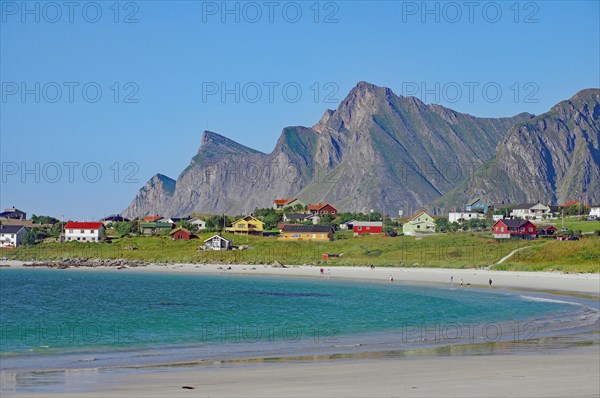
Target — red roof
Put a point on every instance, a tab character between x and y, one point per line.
83	225
284	201
152	218
319	206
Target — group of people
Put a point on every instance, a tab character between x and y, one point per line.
468	284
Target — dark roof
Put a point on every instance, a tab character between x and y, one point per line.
514	222
297	216
115	218
554	208
545	227
307	228
12	214
10	229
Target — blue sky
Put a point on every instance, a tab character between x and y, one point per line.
92	108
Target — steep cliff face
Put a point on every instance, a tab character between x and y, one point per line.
376	150
152	198
553	158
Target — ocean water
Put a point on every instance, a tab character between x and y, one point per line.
57	319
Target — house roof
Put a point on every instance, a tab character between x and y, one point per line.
217	236
246	219
473	201
156	225
319	206
152	218
367	224
418	214
284	201
513	222
10	229
528	205
178	219
298	216
546	227
307	228
180	229
83	225
571	203
114	217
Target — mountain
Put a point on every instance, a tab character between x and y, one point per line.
152	197
376	151
554	157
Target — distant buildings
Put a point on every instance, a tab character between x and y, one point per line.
114	218
322	209
477	205
200	224
367	227
11	235
13	213
248	225
531	210
514	228
301	217
464	216
595	211
323	233
155	228
217	242
84	231
280	204
420	223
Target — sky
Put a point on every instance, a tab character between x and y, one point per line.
97	97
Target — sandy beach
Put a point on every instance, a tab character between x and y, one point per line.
541	372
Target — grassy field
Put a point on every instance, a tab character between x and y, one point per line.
575	224
456	250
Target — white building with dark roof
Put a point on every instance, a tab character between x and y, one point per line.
12	235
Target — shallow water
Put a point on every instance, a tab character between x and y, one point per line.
68	319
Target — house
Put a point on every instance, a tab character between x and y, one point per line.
367	227
13	213
200	224
420	223
155	228
180	234
321	233
514	228
530	210
113	218
546	230
83	231
301	217
246	225
176	220
321	209
346	225
280	204
464	216
12	235
154	218
477	205
217	242
595	211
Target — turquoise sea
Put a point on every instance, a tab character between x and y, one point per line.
57	319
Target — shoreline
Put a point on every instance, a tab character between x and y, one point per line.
539	369
536	281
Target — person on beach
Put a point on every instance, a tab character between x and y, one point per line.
490	283
461	282
452	280
321	271
391	278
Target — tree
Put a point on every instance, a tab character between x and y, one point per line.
125	228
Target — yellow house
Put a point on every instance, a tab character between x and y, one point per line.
323	233
246	225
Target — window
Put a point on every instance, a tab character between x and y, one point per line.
82	231
501	229
359	228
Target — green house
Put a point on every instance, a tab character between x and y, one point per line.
155	228
421	223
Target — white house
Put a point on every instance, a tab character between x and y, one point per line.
84	231
217	242
198	222
466	216
11	235
595	211
531	210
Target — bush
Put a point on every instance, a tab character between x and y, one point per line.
597	232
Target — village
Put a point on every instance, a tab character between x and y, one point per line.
292	220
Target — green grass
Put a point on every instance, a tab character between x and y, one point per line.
574	224
456	250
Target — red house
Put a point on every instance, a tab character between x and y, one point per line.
514	228
180	234
322	208
367	227
546	230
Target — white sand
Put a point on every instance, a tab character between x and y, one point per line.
550	281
